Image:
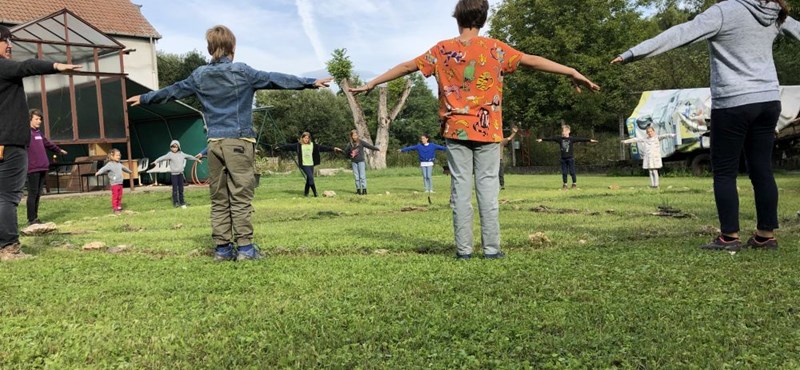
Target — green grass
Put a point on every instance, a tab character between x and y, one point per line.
636	293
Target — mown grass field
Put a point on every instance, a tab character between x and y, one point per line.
355	282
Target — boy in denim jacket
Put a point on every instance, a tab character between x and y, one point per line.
225	89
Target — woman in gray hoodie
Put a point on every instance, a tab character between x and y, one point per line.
745	106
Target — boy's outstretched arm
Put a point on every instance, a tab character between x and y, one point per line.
398	71
546	65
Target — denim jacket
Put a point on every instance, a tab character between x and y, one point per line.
226	89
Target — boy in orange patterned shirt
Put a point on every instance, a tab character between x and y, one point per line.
469	70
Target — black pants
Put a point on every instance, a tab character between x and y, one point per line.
309	171
568	166
177	190
35	185
501	174
750	128
12	180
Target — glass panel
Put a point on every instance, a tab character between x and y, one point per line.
22	50
85	34
58	105
113	108
86	104
33	93
109	63
83	56
51	29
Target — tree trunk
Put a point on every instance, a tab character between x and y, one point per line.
385	119
376	159
358	113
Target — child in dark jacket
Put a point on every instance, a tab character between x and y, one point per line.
567	153
355	151
308	157
427	155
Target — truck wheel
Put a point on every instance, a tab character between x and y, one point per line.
701	165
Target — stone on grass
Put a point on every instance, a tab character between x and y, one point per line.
328	193
39	229
330	171
539	238
177	226
380	252
118	249
93	246
614	187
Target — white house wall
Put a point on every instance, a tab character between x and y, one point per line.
140	65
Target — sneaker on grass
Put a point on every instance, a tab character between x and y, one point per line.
766	243
720	244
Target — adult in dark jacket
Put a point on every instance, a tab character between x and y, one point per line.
308	157
38	164
15	134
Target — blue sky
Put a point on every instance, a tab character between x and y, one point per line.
298	36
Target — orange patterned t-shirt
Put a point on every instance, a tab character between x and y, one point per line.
470	78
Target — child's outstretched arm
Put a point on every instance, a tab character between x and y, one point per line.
369	146
631	140
126	169
398	71
666	136
791	27
546	65
102	170
190	157
408	148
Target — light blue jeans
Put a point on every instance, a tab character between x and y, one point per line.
426	178
464	159
360	174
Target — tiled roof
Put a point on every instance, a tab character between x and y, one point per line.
114	17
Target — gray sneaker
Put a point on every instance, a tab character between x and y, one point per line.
769	244
719	244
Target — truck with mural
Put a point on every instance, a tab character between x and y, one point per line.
687	114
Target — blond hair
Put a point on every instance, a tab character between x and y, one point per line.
221	42
112	153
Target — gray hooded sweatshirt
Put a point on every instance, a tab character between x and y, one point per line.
740	34
177	160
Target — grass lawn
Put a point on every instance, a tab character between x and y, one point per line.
356	282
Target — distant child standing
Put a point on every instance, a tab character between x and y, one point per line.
427	155
114	169
567	153
355	151
465	66
177	162
308	157
503	144
650	149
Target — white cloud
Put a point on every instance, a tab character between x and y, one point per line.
306	12
297	36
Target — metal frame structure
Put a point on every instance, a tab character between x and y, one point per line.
65	37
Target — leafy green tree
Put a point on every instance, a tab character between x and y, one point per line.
320	112
177	67
584	34
340	67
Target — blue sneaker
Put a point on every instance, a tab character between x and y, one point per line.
460	256
248	252
224	253
495	256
